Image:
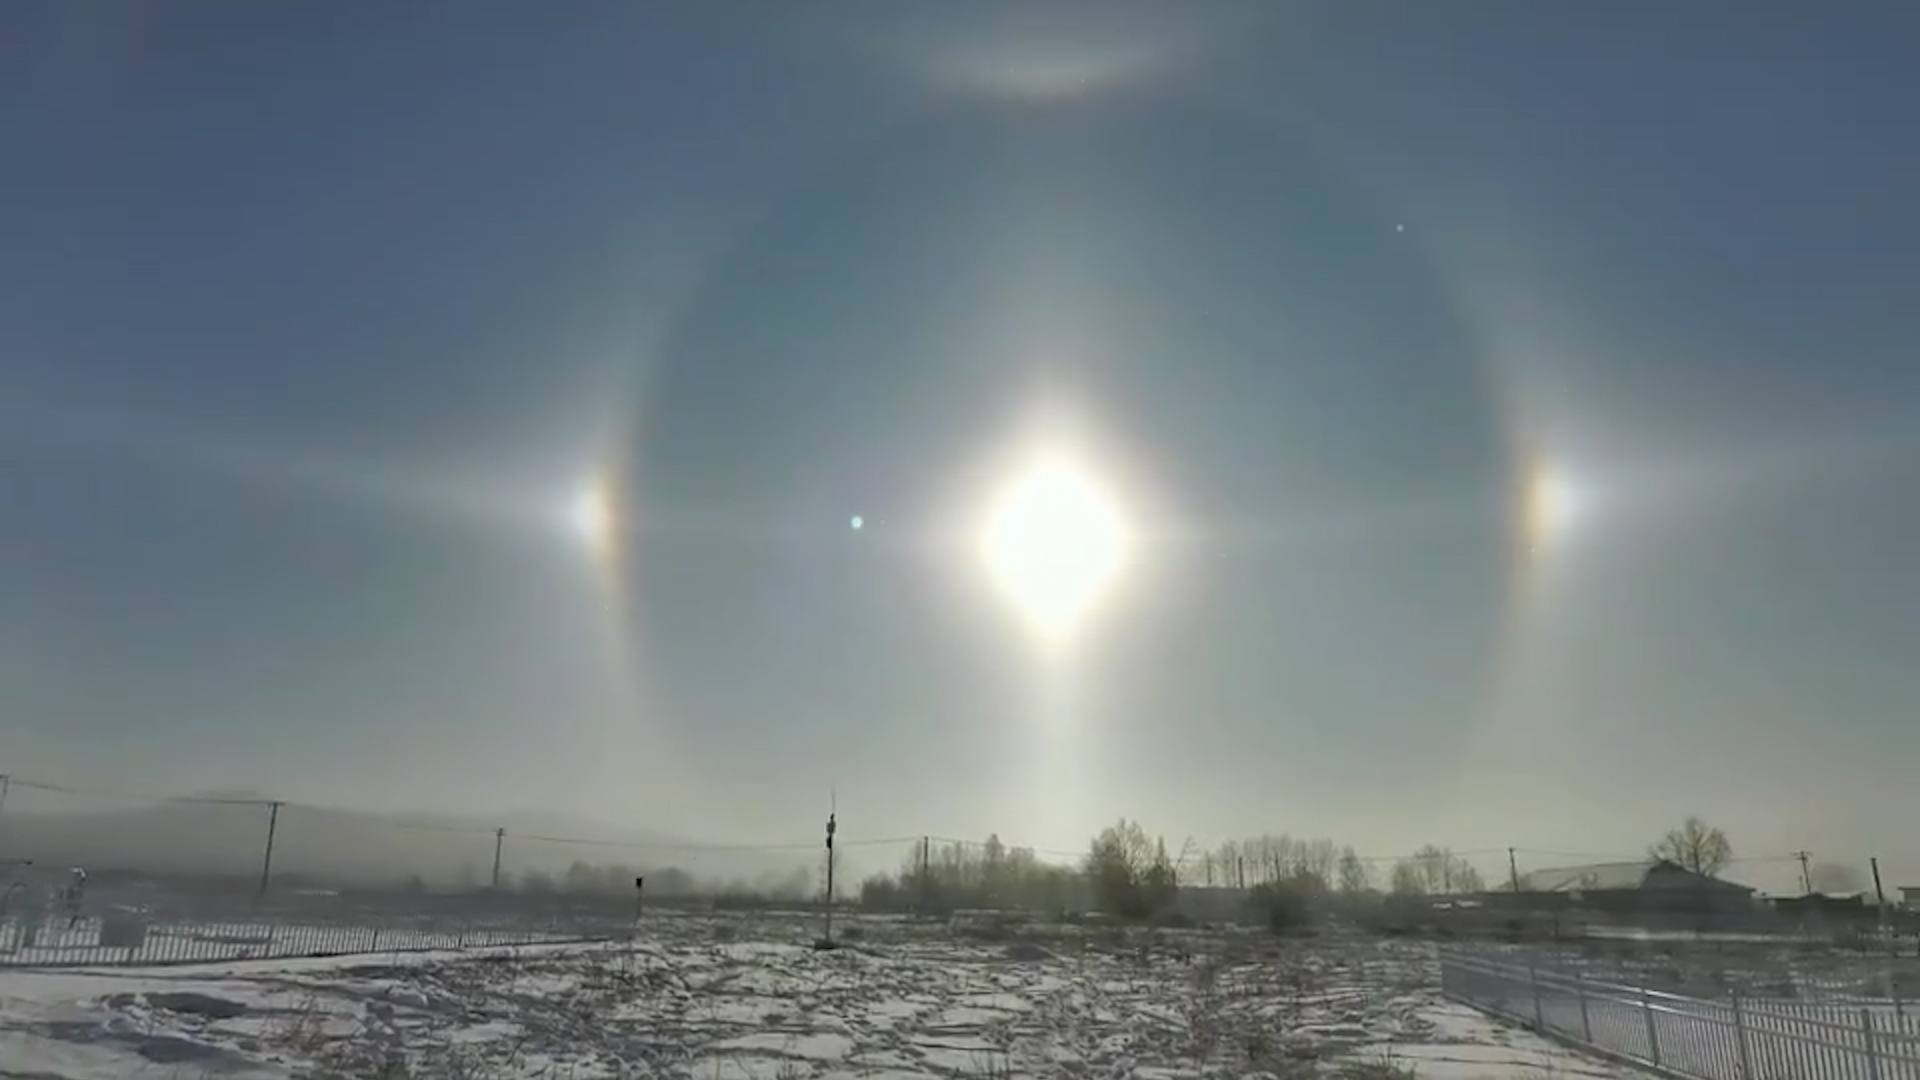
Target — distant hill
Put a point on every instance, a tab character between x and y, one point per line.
199	837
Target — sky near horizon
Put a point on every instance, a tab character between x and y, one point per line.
1510	405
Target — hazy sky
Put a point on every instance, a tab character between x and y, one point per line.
315	317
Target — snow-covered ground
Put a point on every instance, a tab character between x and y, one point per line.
717	998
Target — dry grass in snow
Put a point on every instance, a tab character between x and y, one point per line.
708	998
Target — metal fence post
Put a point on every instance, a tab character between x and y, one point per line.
1586	1025
1873	1045
1533	979
1653	1034
1740	1039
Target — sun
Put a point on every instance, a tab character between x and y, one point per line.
1054	542
1553	504
590	516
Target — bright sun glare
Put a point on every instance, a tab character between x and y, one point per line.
1054	542
1554	504
590	516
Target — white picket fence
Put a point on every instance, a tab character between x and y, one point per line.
90	943
1694	1038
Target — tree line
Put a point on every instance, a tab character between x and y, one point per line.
1130	873
1126	872
616	880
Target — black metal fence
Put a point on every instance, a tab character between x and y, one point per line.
1696	1038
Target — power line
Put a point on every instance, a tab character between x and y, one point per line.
208	800
273	806
1586	856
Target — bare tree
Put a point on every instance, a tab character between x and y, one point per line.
1355	875
1435	871
1406	879
1695	845
1130	873
1316	861
1233	864
1194	866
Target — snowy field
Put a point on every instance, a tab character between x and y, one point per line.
736	998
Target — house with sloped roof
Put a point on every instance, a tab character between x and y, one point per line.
1640	874
1649	885
1825	908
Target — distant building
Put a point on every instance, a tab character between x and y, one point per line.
1612	877
1819	907
1910	896
1647	886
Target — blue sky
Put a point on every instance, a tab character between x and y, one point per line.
313	318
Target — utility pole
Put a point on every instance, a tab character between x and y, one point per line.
1888	984
5	782
266	862
832	815
1513	872
499	838
1806	877
926	875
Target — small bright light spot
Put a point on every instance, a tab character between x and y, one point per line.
1054	542
1554	504
590	515
858	522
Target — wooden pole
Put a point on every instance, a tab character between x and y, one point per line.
266	861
